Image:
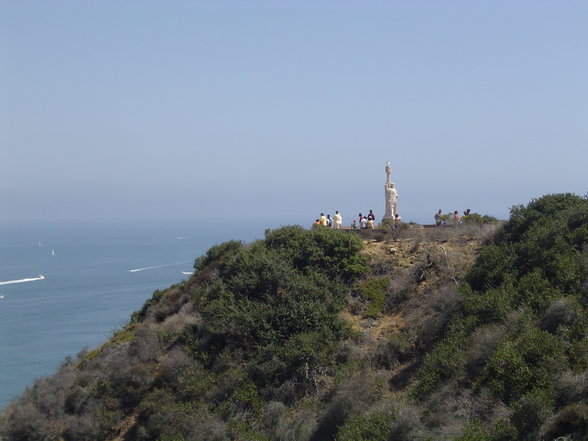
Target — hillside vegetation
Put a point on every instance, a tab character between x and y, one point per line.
469	333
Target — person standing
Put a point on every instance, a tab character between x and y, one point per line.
338	220
363	222
438	217
397	220
323	220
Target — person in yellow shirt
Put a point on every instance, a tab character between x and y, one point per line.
323	220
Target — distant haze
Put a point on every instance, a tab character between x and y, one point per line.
277	111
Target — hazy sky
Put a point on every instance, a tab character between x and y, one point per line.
278	110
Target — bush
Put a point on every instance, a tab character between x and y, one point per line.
546	236
25	422
375	427
490	306
493	268
478	219
533	269
390	353
529	413
578	354
374	292
351	399
276	303
561	315
163	417
480	346
216	253
525	362
571	387
477	431
445	361
570	422
552	206
333	252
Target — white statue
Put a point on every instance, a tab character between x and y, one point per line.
391	195
392	199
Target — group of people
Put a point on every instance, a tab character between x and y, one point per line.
441	218
365	222
332	222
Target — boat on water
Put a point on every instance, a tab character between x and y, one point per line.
30	279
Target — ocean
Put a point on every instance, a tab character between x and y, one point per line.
68	286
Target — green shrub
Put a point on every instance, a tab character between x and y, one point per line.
546	236
578	354
478	219
274	305
490	306
139	316
375	427
373	292
445	361
217	252
525	362
536	292
237	394
475	431
535	270
478	431
493	268
530	412
333	252
240	430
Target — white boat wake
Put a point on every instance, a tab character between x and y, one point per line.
188	273
31	279
136	270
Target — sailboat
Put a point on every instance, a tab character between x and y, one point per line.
52	252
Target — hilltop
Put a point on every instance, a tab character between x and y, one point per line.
475	332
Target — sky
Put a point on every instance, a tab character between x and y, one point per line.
275	111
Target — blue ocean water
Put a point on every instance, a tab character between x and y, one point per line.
95	276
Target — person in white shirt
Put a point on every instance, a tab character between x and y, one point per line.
397	220
337	219
363	222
